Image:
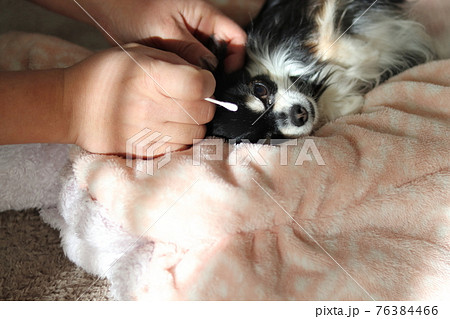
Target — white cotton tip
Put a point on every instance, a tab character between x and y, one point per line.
229	106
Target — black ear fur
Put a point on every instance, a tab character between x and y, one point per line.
223	80
219	49
269	4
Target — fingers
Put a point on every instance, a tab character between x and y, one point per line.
225	29
199	113
184	133
182	82
158	150
162	137
172	101
174	89
166	110
156	54
173	133
181	94
184	44
172	76
197	25
235	58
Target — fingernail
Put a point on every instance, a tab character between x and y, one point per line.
209	62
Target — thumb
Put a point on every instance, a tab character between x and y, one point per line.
189	48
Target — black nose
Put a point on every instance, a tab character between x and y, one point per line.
299	115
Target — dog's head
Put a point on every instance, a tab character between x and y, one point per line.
271	104
278	90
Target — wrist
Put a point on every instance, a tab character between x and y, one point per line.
76	10
55	115
32	110
83	10
71	104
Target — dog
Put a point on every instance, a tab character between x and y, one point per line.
312	61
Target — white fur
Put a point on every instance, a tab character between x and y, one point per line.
255	104
276	63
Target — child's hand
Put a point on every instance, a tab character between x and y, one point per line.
108	98
172	25
111	99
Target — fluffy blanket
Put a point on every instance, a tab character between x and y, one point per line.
359	211
372	222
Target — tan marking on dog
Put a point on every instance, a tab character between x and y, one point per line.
326	35
329	45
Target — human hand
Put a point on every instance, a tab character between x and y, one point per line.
111	98
173	25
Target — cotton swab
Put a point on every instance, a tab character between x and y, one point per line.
229	106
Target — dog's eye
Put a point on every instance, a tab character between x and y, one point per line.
260	90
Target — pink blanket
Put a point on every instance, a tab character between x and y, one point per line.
361	210
373	222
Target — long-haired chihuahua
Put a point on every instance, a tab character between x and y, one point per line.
312	61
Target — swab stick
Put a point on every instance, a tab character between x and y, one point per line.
229	106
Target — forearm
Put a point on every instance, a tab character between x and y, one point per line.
71	9
32	108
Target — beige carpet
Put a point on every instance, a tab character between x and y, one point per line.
33	265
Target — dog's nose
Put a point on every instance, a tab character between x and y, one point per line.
299	115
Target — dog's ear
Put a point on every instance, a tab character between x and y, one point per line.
224	81
269	4
219	49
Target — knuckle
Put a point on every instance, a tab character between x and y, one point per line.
199	112
199	132
185	48
171	56
202	84
153	76
197	84
210	82
207	113
131	45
